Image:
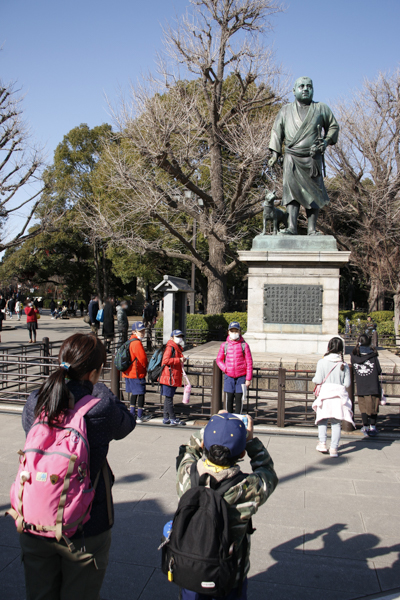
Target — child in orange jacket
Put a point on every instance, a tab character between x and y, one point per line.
135	375
171	375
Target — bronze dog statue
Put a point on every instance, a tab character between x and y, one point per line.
271	213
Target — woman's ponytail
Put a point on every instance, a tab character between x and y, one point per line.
79	354
53	397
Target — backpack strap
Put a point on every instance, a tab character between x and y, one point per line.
243	344
85	404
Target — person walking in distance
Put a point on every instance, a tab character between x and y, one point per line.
108	322
18	309
53	570
93	309
31	320
235	361
332	403
122	323
367	369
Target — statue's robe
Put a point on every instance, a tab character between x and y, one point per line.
302	173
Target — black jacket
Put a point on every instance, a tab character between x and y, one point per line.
108	320
93	309
108	420
367	370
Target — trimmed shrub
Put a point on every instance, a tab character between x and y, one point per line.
385	327
212	322
381	316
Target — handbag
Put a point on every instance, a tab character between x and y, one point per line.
86	319
100	315
37	316
318	386
187	388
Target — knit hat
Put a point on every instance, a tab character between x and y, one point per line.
226	430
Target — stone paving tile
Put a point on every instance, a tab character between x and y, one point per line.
8	533
7	556
342	575
124	581
355	502
382	524
259	591
338	542
158	587
385	489
12	581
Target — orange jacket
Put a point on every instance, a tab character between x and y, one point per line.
172	372
138	368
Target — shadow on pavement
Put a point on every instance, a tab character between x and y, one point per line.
327	565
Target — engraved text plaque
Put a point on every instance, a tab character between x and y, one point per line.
294	304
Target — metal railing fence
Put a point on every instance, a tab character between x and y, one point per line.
277	396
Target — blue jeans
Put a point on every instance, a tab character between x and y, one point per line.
233	595
336	427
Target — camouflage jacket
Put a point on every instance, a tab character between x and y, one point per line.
244	498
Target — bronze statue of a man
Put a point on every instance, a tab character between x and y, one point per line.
306	128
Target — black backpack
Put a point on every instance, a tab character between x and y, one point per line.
198	555
122	360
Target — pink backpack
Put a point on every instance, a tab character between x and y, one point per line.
52	494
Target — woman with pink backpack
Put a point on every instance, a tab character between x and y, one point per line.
235	361
70	421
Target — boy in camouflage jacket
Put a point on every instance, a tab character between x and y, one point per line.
244	498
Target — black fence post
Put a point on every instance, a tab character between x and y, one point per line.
281	397
216	395
346	426
115	378
46	354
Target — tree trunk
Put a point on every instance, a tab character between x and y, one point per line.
396	303
216	278
105	274
96	264
373	295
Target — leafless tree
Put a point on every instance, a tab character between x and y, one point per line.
193	145
20	168
365	208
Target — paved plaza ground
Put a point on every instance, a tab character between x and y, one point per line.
330	531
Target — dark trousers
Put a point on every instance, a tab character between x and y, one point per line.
169	412
52	572
234	399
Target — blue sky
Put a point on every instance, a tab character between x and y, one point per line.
67	55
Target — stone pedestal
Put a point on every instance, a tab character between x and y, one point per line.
295	261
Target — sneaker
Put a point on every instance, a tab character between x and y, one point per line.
321	447
177	422
143	419
365	431
333	452
372	431
166	422
139	420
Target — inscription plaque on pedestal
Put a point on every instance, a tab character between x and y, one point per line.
293	304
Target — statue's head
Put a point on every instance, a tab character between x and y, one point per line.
303	90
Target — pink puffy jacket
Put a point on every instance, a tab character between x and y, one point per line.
234	364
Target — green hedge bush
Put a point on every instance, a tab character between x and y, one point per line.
381	316
212	322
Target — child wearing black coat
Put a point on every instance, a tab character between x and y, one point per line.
367	370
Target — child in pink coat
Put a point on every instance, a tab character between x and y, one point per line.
235	361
